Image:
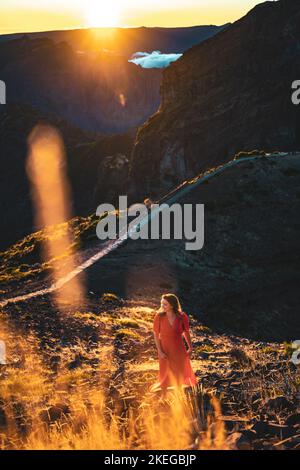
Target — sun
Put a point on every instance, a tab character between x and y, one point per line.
102	14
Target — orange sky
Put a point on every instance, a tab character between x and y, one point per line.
36	15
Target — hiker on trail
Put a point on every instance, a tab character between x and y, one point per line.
170	325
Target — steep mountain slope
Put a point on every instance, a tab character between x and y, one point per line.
230	93
244	280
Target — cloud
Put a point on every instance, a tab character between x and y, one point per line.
154	60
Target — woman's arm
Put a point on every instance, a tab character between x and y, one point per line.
158	346
186	333
156	332
189	341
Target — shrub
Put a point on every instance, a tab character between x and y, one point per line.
110	297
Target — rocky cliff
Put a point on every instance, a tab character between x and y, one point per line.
230	93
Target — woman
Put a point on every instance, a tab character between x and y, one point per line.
169	327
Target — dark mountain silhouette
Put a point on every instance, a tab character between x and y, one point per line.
127	41
230	93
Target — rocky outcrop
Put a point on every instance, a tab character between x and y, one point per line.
230	93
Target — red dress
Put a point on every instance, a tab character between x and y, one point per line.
176	369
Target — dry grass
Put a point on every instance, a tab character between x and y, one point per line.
23	259
97	397
76	409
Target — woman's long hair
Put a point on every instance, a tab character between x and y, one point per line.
173	300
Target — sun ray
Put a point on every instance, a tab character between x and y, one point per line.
102	14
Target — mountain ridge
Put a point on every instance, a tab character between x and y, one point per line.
127	39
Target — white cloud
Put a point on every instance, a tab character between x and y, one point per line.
154	60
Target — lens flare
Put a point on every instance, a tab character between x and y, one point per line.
122	100
51	198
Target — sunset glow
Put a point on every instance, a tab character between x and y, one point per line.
104	15
33	15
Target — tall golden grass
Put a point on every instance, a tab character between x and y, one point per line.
72	409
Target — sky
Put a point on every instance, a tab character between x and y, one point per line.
42	15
